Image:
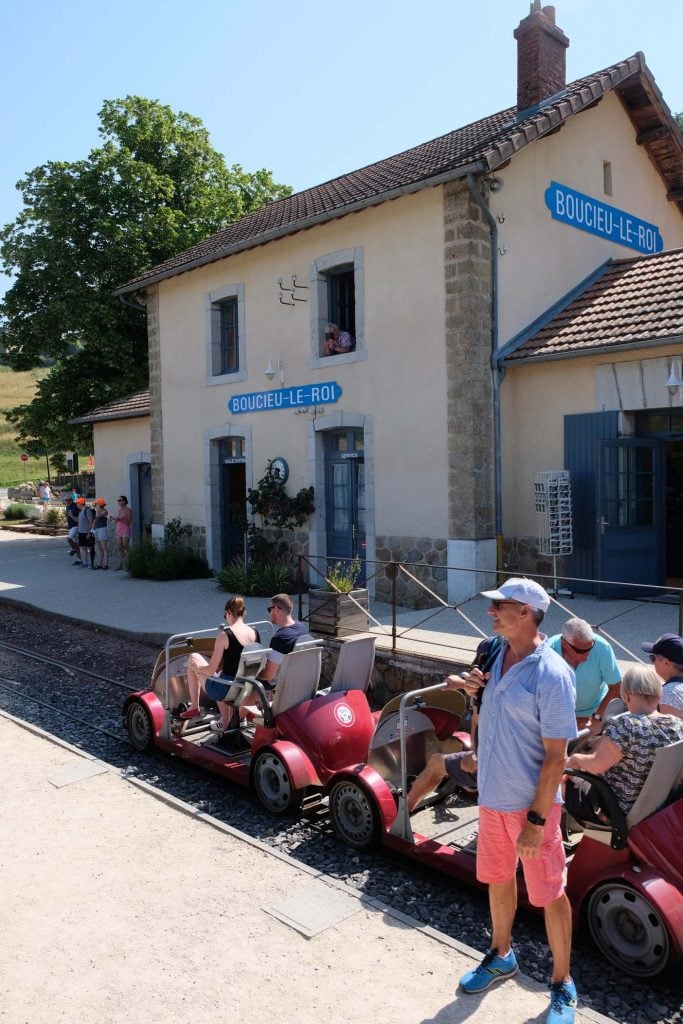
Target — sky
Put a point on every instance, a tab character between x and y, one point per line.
306	89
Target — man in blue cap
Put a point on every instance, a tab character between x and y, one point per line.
666	654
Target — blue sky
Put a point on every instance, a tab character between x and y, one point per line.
307	89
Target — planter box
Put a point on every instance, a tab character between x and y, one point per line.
335	614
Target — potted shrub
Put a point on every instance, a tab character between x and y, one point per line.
334	610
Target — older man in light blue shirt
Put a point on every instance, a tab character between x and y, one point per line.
526	717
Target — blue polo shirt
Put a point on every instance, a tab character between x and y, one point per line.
534	700
593	676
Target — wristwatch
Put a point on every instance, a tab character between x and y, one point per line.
596	717
535	819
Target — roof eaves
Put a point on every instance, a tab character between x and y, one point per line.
94	417
302	225
599	350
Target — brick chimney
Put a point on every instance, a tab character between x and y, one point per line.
541	53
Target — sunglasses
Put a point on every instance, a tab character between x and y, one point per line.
653	657
498	604
579	650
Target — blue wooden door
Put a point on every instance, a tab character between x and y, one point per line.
345	496
631	514
233	483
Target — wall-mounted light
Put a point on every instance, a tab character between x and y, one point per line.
275	369
675	380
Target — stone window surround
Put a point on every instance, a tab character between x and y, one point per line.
316	475
317	280
212	301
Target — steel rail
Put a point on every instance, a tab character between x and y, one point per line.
66	667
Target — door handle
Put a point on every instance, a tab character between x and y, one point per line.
603	524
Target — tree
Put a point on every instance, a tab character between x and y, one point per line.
153	188
679	121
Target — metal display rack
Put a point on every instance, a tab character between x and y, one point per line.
553	503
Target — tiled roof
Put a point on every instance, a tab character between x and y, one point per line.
128	408
629	302
481	146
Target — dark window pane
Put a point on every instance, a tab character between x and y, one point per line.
341	299
229	345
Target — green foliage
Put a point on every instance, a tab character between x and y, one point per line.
678	118
257	580
170	562
276	511
342	576
154	187
174	531
17	511
54	517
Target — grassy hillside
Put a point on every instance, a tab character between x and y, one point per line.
16	389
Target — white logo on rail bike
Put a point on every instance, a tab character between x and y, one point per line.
344	714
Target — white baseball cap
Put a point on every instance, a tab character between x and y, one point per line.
522	590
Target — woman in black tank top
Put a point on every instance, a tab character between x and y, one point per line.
227	649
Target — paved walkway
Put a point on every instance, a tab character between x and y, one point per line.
38	571
120	904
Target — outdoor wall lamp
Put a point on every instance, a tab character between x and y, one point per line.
675	381
275	369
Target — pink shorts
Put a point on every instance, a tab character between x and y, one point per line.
497	855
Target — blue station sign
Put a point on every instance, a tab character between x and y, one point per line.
589	214
286	398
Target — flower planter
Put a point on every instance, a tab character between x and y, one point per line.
337	615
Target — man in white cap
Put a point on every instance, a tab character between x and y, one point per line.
526	718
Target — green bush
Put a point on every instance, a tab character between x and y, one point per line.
258	580
146	561
55	517
15	510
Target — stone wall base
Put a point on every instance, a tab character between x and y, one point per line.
427	556
521	556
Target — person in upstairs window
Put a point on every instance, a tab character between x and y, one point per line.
337	342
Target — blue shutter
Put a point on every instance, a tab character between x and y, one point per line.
581	435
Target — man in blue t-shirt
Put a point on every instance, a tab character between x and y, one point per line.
287	632
598	679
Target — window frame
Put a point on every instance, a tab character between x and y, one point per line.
320	272
214	312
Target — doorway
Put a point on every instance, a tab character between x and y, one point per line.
233	498
141	500
674	513
345	496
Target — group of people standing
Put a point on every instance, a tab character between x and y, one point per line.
88	531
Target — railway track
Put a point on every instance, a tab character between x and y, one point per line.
83	707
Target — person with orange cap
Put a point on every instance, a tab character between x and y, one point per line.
99	529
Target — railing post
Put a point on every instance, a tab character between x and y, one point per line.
392	570
680	612
300	585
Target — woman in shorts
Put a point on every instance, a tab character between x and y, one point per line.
99	529
124	522
225	658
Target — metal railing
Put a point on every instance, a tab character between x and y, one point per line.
633	595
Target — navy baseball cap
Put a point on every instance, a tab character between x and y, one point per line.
669	645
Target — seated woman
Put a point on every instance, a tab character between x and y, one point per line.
225	658
625	751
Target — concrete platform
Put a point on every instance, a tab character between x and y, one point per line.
38	571
122	904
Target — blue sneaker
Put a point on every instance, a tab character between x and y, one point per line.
493	968
562	1002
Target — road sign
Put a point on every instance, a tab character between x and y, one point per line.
24	457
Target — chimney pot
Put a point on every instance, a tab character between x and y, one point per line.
541	56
